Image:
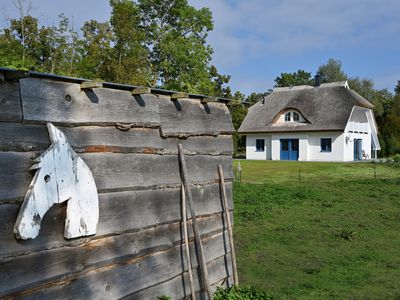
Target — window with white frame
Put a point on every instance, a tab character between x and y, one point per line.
293	116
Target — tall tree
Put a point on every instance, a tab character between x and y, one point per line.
96	51
300	77
176	38
332	71
130	64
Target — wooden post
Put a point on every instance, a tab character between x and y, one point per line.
185	233
229	223
204	284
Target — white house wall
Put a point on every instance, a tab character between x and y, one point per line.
314	146
309	145
251	152
276	145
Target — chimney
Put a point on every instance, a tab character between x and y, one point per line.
317	80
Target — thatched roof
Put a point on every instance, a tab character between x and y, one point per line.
327	107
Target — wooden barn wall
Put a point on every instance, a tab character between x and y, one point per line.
130	144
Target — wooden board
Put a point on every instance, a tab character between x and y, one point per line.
125	275
28	137
188	117
65	103
176	290
115	172
10	102
119	213
57	263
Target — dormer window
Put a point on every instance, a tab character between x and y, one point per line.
291	116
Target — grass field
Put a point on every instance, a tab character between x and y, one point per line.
332	232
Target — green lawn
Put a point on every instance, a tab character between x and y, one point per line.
332	233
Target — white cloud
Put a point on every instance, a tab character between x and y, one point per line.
253	30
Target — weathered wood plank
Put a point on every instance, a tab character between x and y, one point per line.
65	103
176	96
10	102
188	117
119	212
29	137
141	90
91	84
176	290
115	172
55	264
122	278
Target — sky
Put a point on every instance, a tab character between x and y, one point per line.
254	41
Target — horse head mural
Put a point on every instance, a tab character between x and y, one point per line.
61	176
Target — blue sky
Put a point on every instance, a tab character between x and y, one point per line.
255	40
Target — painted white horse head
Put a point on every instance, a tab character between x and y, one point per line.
61	176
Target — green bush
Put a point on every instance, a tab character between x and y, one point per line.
241	293
396	158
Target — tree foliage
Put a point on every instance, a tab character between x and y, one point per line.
332	71
300	77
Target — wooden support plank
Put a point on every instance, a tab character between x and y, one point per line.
114	171
204	283
119	212
177	96
10	102
54	264
65	103
91	85
227	217
123	276
141	90
209	99
189	117
29	137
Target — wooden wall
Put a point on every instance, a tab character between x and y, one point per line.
130	144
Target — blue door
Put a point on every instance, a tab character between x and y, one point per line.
289	149
357	149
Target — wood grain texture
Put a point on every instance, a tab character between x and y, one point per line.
174	288
65	103
29	137
115	172
124	277
119	213
188	117
10	102
56	264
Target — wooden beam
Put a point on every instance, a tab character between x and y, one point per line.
233	102
91	85
205	283
209	99
227	216
177	96
141	90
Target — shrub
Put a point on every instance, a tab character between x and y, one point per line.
396	158
241	293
